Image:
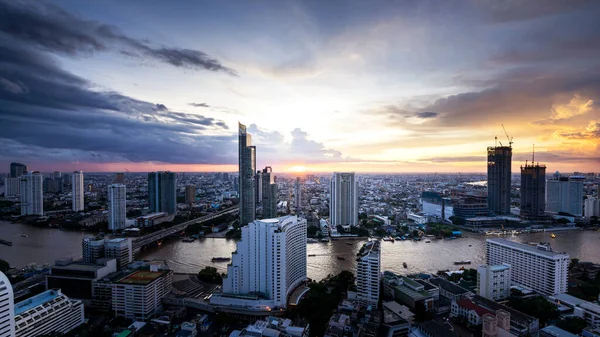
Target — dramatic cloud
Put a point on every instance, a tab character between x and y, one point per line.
426	114
200	105
591	132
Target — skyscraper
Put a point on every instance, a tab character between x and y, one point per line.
32	193
117	207
247	167
17	170
259	187
11	186
565	194
343	208
162	192
297	194
269	193
7	308
592	207
190	195
119	178
368	273
77	191
499	178
533	190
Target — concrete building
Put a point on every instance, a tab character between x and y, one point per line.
7	308
565	194
17	170
119	249
11	186
533	191
119	178
76	279
297	194
343	207
493	282
450	290
247	183
258	179
553	331
393	325
190	195
520	324
407	291
162	192
592	207
435	205
48	312
469	311
92	249
497	325
31	190
368	274
117	207
269	260
580	308
269	193
273	326
499	160
538	268
77	191
152	219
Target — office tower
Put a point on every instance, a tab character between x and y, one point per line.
46	313
499	178
162	192
225	176
119	249
190	195
119	178
343	208
259	187
368	273
117	207
538	268
493	282
565	194
592	207
297	194
17	170
11	186
7	308
77	191
270	259
53	184
247	167
269	194
533	190
32	193
92	249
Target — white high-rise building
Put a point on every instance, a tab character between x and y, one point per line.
32	193
92	249
493	282
565	195
119	249
592	207
11	186
117	209
368	274
46	313
343	207
7	308
77	193
536	267
270	259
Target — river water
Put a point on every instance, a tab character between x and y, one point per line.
46	245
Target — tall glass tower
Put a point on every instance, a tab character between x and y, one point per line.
162	192
247	167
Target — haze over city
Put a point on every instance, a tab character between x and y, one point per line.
322	86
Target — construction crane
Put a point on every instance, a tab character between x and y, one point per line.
510	142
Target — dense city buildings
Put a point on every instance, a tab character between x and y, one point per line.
77	192
119	249
7	309
11	186
269	193
247	169
162	192
297	194
565	194
117	207
92	249
270	260
368	272
344	199
533	191
536	267
499	160
46	313
77	278
32	193
17	170
592	207
190	195
493	282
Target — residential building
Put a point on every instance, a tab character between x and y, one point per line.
499	160
343	207
48	312
592	207
247	184
162	192
11	186
533	191
17	170
119	249
77	191
469	311
368	274
117	207
76	279
269	193
538	268
31	190
190	195
565	194
269	260
92	249
7	308
493	282
297	194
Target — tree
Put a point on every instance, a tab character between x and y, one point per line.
537	307
573	263
4	266
415	233
573	324
563	221
311	231
210	275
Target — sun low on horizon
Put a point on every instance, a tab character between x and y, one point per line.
297	169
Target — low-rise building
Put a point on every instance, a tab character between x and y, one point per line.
468	311
76	279
138	295
493	282
273	327
152	219
393	325
580	308
520	323
407	291
449	290
553	331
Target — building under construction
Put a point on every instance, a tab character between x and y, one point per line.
499	160
533	191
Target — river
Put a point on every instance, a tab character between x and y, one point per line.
46	245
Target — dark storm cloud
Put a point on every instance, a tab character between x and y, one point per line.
426	114
518	10
200	105
53	29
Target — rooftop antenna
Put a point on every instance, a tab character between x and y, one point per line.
510	142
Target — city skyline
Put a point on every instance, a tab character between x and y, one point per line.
398	87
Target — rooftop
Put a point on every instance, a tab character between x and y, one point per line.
448	286
515	315
568	299
141	277
467	303
36	300
526	248
558	332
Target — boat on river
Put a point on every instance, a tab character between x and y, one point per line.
462	262
221	259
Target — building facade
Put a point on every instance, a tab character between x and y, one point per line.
565	194
533	191
493	282
117	207
119	249
11	186
190	195
368	274
499	160
343	207
138	295
247	183
92	249
17	170
538	268
32	193
77	191
269	193
162	192
297	194
592	207
269	260
7	307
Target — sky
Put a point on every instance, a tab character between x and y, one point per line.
365	86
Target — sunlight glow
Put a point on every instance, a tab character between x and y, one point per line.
297	168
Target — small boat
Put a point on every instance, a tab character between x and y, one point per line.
552	235
341	258
311	240
24	235
427	241
220	259
312	254
349	243
4	242
404	264
324	240
470	245
462	262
